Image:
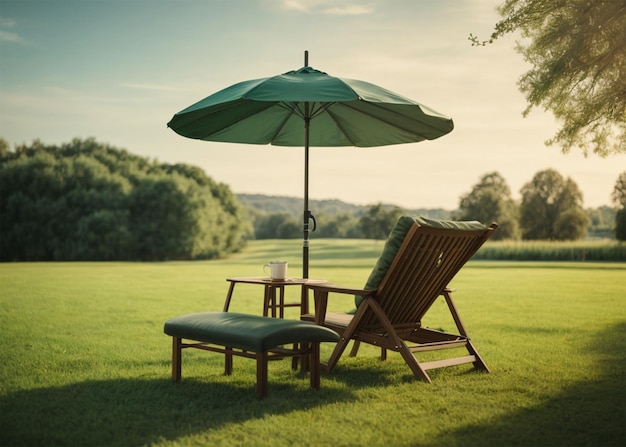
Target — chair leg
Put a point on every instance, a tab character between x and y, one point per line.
410	360
355	348
479	363
261	374
314	364
341	346
176	359
357	344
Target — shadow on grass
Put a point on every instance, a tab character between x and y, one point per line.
141	412
591	413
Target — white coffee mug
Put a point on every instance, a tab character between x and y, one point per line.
278	269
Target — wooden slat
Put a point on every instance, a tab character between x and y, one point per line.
434	346
448	362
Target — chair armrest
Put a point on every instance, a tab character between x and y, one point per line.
320	296
330	288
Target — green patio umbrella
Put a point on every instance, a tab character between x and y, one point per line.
308	107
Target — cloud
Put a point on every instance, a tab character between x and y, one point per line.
327	7
7	23
9	36
6	36
154	87
348	10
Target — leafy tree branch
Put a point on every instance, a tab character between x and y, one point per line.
577	49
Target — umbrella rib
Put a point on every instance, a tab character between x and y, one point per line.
390	122
293	110
202	117
323	107
340	127
292	107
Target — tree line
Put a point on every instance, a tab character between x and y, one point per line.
551	208
89	201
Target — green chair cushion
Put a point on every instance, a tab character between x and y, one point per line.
396	237
250	332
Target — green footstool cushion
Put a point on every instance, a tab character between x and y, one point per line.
251	332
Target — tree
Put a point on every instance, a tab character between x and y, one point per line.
377	222
4	147
552	208
619	199
342	225
490	201
88	201
277	226
577	49
602	222
161	220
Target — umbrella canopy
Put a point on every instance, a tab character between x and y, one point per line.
308	107
342	112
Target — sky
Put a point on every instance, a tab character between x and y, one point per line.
118	70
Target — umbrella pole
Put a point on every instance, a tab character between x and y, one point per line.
307	212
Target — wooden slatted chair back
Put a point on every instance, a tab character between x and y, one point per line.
426	262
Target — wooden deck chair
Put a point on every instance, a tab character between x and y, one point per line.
419	260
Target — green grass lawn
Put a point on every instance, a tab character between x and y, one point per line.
84	360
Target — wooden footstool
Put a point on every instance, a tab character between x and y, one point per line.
250	336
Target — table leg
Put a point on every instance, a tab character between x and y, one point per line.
272	299
282	301
266	300
229	295
304	300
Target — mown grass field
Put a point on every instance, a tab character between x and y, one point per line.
84	361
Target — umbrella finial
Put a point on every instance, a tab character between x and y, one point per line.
306	58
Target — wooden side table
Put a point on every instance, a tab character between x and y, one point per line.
270	287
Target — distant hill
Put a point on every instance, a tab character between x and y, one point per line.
262	204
